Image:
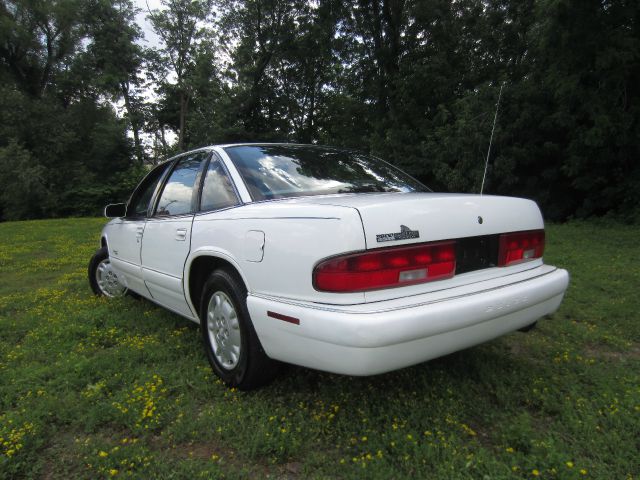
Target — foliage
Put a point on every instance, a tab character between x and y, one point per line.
23	180
58	137
413	82
417	83
117	59
91	387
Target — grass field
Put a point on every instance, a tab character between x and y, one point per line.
91	388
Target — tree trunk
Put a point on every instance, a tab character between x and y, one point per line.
135	125
46	72
165	148
183	114
311	115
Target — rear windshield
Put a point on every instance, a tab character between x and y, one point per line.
281	171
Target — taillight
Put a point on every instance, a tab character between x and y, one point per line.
520	246
390	267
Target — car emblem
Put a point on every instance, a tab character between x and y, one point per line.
480	220
405	233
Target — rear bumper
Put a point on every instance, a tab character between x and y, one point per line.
378	337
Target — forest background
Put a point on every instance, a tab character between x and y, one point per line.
86	104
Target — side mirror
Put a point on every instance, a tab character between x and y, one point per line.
115	210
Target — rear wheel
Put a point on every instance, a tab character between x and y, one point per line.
231	343
102	278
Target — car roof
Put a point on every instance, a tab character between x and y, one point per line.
260	144
209	148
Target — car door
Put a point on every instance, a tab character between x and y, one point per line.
125	236
167	234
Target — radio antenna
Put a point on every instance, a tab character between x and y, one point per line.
495	117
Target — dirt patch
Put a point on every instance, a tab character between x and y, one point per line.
59	456
605	353
212	450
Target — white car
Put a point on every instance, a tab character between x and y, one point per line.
325	258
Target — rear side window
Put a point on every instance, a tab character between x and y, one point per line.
178	195
217	191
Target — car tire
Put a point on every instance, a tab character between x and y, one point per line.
102	279
528	328
231	343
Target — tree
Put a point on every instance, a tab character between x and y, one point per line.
593	85
116	55
36	37
58	135
415	82
182	26
283	65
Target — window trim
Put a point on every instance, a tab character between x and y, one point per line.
216	158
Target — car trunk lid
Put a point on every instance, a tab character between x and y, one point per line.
392	219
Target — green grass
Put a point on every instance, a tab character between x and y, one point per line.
91	388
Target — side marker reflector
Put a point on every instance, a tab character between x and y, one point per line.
284	318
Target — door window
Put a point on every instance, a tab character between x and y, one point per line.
178	195
139	203
217	191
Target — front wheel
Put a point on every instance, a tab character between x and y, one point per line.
102	278
231	343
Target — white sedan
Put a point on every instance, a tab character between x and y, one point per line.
325	258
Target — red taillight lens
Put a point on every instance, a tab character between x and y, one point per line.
391	267
520	247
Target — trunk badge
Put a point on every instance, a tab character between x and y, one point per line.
405	234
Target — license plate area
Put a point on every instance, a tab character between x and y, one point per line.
476	253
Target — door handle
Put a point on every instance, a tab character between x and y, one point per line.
139	231
181	234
